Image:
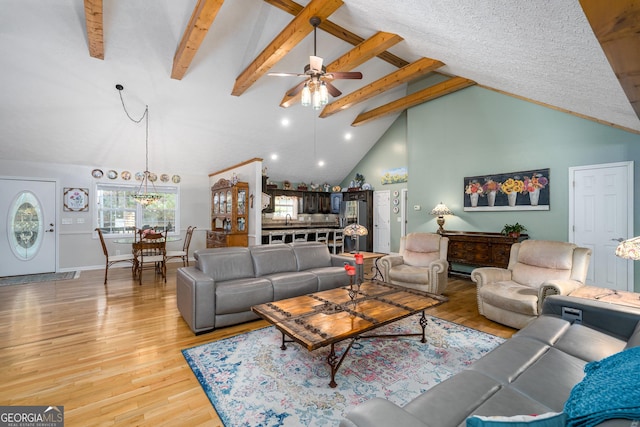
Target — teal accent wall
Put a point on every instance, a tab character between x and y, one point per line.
477	131
389	152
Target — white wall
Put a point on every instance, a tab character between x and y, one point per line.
78	248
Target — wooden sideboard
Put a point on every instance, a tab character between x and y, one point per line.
479	249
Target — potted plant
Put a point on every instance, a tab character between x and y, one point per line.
513	230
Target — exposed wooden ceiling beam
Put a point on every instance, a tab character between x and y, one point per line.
288	38
360	54
201	19
405	74
294	8
617	26
444	88
95	28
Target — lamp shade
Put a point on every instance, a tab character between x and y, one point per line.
629	249
355	230
440	210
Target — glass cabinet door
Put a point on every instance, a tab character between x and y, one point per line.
216	206
223	202
229	202
242	195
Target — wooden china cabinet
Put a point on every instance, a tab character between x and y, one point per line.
479	249
229	215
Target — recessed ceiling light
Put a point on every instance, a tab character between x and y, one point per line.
320	163
274	157
284	122
347	136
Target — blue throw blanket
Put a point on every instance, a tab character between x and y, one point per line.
610	389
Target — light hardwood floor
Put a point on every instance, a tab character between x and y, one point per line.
111	355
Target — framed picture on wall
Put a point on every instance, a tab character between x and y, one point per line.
523	190
75	200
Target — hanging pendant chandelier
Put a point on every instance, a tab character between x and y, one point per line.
143	196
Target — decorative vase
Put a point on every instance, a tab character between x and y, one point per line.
474	199
491	198
511	197
534	196
514	234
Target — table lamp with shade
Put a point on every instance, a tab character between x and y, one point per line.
355	231
440	211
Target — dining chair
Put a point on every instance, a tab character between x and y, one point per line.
114	259
184	253
150	254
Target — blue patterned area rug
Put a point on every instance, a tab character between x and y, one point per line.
36	278
251	382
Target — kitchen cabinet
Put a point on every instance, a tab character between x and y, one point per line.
311	202
229	214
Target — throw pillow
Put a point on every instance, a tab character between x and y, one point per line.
549	419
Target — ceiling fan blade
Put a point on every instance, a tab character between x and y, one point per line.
287	75
315	63
333	91
345	75
297	89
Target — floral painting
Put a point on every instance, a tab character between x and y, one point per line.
525	190
395	176
75	200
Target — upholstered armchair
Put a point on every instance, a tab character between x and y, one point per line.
537	268
422	263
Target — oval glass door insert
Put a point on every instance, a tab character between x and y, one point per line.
25	228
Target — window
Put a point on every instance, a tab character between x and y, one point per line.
285	205
117	213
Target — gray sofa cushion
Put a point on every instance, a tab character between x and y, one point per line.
270	259
292	284
234	296
225	263
330	277
311	255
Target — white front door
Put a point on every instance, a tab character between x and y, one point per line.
600	215
27	227
381	222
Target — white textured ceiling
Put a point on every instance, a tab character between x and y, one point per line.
60	105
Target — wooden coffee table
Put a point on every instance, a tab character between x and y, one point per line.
328	317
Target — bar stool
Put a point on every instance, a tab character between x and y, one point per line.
336	242
322	235
299	236
276	237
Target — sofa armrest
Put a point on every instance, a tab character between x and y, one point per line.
439	275
196	298
388	261
379	412
341	260
556	287
614	319
485	275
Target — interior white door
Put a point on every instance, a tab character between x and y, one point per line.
600	215
381	222
27	227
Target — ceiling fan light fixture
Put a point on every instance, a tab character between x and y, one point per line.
306	96
317	98
324	94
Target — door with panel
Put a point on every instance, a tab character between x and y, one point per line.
27	226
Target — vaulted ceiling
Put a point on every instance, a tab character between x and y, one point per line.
202	68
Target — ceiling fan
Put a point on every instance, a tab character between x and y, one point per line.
317	86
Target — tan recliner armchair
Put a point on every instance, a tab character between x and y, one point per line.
422	263
537	268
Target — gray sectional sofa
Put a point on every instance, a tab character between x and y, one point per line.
225	282
531	373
